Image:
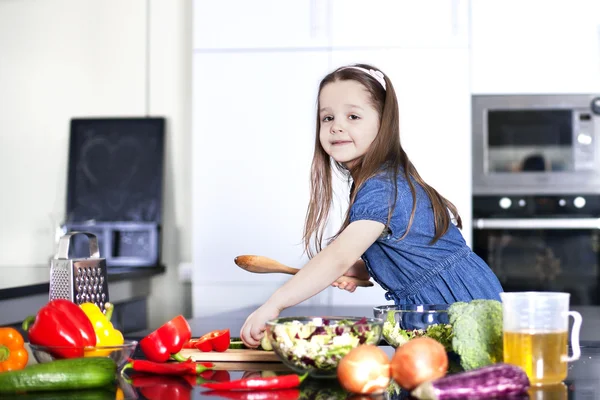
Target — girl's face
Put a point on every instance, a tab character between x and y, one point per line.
349	122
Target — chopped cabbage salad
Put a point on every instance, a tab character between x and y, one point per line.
321	343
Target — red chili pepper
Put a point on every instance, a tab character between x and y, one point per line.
272	382
284	394
162	387
218	340
167	341
174	368
63	324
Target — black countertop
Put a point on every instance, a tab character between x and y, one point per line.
27	281
583	381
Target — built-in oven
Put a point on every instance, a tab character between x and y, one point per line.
540	144
541	242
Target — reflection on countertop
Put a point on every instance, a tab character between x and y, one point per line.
582	382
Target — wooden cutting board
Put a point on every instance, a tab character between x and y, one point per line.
242	355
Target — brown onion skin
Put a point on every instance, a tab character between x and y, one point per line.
369	358
419	360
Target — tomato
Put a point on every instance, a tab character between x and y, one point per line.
365	369
419	360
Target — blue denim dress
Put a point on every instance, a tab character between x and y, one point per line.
411	270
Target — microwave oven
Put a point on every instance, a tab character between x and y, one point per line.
536	144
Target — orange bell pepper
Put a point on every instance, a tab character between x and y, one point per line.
13	355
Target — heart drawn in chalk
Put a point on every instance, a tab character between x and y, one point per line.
111	167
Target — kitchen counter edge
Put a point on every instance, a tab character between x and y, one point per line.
115	274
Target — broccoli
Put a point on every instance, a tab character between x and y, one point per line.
477	332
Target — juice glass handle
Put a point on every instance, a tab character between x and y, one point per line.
575	336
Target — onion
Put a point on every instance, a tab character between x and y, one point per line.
419	360
365	369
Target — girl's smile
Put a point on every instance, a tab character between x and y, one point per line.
340	142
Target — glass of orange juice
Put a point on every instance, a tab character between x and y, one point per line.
535	334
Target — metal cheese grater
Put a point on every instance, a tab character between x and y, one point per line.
81	280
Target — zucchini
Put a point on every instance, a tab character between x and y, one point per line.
69	374
497	380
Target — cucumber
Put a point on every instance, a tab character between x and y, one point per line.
236	343
87	394
69	374
497	380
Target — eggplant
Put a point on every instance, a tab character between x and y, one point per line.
497	380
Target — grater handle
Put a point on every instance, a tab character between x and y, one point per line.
63	245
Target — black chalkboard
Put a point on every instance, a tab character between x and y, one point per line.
115	169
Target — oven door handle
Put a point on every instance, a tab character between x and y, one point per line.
536	223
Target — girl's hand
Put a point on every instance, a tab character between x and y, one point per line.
358	270
254	327
349	286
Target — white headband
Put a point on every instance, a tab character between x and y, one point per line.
378	75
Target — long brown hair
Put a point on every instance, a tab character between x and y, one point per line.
385	153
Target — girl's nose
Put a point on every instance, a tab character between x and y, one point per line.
336	128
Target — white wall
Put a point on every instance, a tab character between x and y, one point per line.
254	107
79	58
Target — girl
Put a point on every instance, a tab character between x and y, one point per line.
400	226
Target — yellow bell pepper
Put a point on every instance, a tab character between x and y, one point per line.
106	334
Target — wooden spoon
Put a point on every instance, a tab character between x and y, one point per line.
265	265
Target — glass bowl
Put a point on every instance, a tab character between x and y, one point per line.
317	344
120	354
406	321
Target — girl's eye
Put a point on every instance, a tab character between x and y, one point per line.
354	117
327	119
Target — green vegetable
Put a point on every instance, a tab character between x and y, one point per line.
477	332
88	394
67	374
236	343
442	333
392	333
396	336
266	344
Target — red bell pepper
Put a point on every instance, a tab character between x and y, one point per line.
207	376
162	387
218	340
63	324
167	341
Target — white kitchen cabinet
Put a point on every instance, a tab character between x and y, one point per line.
535	46
241	24
58	60
432	86
399	23
253	138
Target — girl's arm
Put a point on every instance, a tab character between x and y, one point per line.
331	263
319	273
359	270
